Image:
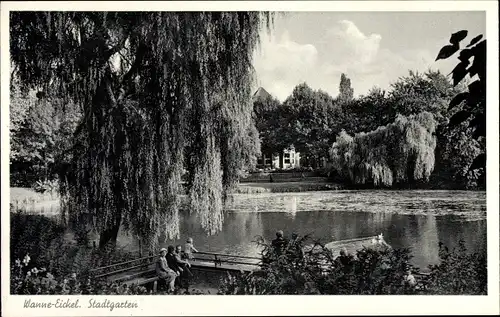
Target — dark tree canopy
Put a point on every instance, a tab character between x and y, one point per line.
270	122
313	120
149	84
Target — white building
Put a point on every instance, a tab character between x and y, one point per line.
289	159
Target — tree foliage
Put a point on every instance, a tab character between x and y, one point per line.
311	120
401	152
40	134
366	113
312	117
472	103
346	92
459	272
148	84
455	151
271	123
408	95
412	94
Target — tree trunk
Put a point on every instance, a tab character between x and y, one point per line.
108	237
281	160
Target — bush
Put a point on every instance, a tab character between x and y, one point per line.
34	235
43	239
318	271
458	272
50	187
28	279
374	271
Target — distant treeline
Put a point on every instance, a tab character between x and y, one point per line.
365	130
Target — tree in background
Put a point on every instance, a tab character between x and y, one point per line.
409	95
21	157
470	105
271	123
346	92
312	120
366	113
412	94
147	84
432	91
399	153
40	131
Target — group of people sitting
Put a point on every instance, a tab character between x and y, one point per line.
173	267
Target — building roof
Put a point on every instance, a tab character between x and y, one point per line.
261	93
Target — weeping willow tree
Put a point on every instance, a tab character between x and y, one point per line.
153	88
401	152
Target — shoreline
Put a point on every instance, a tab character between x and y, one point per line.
305	186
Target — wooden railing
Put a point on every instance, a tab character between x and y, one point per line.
201	257
120	267
219	258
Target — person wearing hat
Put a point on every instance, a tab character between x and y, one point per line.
164	272
279	244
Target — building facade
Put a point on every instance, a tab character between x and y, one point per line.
287	160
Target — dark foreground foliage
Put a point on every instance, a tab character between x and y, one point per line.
44	260
374	271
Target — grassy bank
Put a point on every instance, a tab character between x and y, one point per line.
29	200
286	187
22	194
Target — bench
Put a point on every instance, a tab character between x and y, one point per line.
128	277
153	279
142	271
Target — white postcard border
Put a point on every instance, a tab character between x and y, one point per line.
12	305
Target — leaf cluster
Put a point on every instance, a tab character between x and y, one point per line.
472	103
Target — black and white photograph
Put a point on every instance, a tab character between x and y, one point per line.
152	154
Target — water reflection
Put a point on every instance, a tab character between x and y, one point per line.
417	220
237	235
292	207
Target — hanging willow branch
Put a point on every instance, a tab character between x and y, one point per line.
153	87
397	153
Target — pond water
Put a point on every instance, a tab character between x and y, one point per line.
412	219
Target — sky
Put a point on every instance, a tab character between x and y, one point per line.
371	48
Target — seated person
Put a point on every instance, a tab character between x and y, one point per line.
185	265
164	272
175	262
